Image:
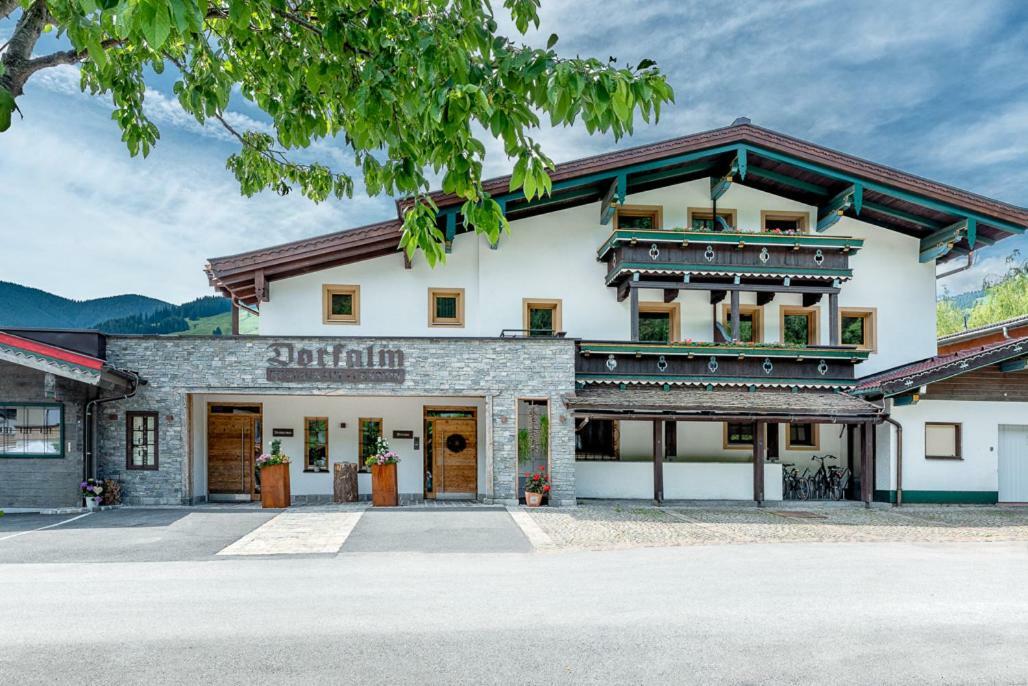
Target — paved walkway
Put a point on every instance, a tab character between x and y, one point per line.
437	530
297	533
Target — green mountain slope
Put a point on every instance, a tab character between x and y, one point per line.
221	324
21	306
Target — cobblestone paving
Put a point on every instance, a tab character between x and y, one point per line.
621	525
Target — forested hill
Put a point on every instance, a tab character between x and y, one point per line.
170	319
21	306
999	299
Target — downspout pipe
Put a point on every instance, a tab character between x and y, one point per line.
899	458
970	263
89	469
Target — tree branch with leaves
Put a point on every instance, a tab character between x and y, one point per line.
409	87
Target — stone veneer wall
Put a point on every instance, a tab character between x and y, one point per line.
502	370
43	482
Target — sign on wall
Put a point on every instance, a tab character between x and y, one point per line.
282	433
335	363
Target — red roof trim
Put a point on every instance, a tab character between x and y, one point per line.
51	351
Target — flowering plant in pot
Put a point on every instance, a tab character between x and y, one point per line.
537	485
274	477
383	474
91	490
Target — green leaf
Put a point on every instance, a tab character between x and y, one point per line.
552	41
7	106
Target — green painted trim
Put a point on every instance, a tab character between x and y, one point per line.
827	382
940	497
732	269
37	456
703	350
733	237
886	190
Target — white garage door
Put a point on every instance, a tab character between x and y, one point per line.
1013	464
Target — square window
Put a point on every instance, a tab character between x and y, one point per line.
446	307
541	317
639	217
659	322
341	304
786	222
799	325
803	437
751	323
857	327
702	219
738	435
942	441
31	430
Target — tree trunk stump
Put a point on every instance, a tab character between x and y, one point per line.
344	482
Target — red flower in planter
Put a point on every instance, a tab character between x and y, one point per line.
546	488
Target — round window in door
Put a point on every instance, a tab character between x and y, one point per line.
456	443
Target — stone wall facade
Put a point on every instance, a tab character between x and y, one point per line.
43	482
500	370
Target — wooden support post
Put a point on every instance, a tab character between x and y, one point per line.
235	319
833	319
735	315
658	460
759	453
866	470
633	306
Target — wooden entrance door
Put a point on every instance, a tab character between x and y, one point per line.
230	446
455	457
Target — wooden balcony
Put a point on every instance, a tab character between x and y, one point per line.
710	259
712	364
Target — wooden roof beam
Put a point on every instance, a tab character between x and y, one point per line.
939	244
852	197
720	185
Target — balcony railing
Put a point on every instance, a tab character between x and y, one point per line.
715	364
757	257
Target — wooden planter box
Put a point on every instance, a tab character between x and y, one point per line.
383	485
275	486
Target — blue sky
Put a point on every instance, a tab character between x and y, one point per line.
939	89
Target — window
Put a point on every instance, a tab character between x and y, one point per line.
141	440
738	435
659	322
751	322
794	222
370	430
857	327
803	436
31	430
597	439
315	444
942	441
541	317
446	307
703	219
639	217
341	304
533	438
799	325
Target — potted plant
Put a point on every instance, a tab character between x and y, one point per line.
91	490
274	467
537	485
383	474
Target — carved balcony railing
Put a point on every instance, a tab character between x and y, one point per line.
716	258
712	364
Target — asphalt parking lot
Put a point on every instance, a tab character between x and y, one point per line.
124	535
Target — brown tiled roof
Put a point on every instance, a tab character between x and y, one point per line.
901	379
243	275
696	402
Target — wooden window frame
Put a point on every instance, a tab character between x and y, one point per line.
674	310
758	319
812	313
736	446
327	291
803	219
555	304
707	213
17	456
870	327
655	211
615	431
959	428
155	465
307	468
361	467
815	433
458	321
